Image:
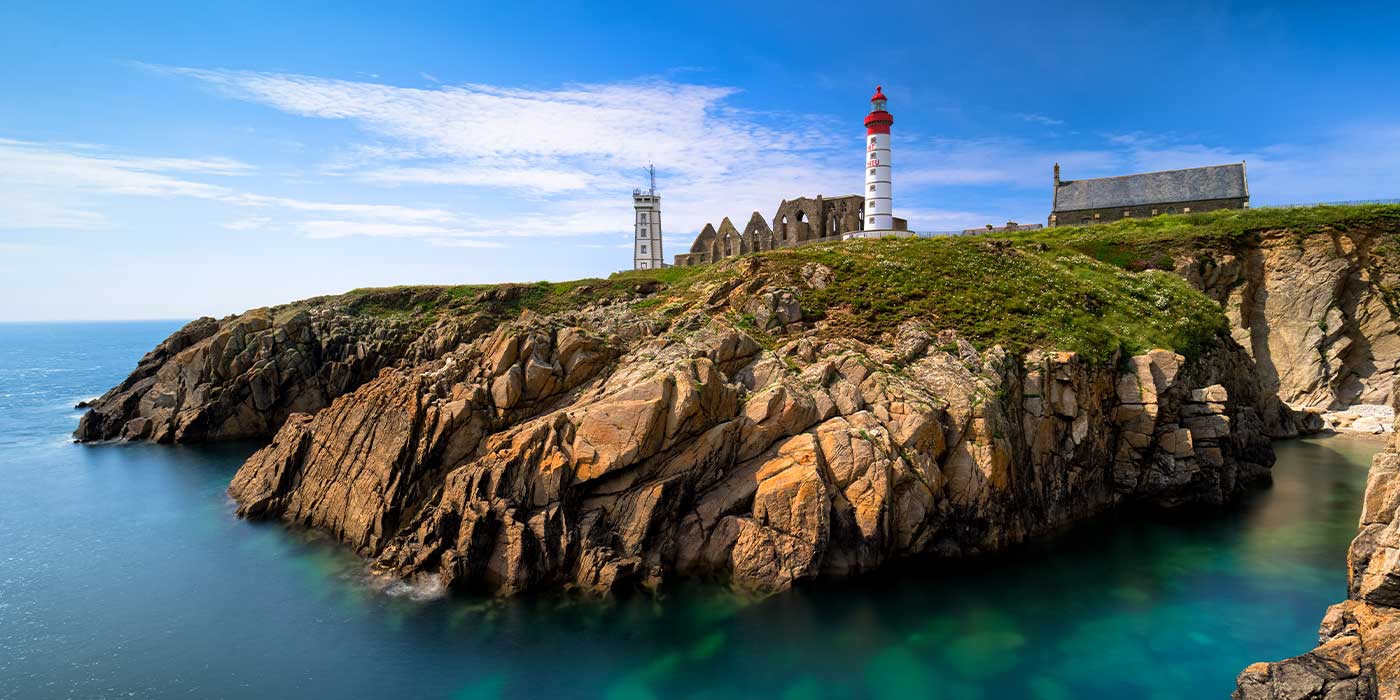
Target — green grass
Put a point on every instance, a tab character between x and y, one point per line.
1020	295
1154	242
424	304
1094	290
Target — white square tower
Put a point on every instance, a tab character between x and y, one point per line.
646	244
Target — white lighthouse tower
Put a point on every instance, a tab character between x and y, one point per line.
646	245
879	207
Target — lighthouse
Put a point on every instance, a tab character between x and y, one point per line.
646	246
879	212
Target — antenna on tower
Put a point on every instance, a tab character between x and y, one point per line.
651	171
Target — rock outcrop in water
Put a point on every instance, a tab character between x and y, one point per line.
599	449
243	376
811	413
520	463
1358	652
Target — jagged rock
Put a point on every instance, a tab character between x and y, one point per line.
1311	310
817	275
245	375
1310	421
618	446
540	455
774	310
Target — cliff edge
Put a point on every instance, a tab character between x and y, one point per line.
809	412
814	412
1311	293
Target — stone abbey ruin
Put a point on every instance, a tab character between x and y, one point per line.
797	222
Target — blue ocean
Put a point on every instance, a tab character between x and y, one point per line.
124	574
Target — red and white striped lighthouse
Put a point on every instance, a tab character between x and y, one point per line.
879	212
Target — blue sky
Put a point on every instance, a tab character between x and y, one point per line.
173	160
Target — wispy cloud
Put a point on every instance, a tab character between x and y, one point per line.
1040	119
323	228
605	245
250	223
483	174
565	149
465	243
559	162
64	186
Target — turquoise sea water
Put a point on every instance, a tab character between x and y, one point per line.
123	573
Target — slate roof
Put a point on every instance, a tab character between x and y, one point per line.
1166	187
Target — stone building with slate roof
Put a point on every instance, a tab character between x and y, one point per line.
1105	199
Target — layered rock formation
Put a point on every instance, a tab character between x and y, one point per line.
1316	312
243	376
610	448
757	424
1358	652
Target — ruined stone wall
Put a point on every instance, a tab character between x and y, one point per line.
797	222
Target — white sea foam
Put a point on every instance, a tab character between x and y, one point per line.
421	588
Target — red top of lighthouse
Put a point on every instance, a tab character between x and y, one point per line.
878	121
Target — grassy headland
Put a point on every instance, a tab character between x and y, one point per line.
1092	289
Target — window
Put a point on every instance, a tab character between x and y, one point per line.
643	216
644	266
872	171
1154	212
644	247
872	140
872	219
1186	210
1127	214
872	188
641	231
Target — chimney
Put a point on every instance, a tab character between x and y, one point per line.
1057	174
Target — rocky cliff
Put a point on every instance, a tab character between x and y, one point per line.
1315	313
1312	294
746	425
244	375
810	412
547	455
